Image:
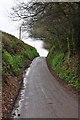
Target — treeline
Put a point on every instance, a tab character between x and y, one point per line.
60	26
57	24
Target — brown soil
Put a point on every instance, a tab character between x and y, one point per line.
10	93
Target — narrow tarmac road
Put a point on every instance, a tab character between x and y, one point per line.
43	96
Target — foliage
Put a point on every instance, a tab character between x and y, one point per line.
30	53
57	60
16	55
65	68
12	63
58	25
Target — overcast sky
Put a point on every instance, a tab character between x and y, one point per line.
5	22
7	25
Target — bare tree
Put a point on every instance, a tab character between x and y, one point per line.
59	20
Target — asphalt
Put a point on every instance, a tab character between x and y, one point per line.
43	96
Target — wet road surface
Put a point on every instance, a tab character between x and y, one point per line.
42	95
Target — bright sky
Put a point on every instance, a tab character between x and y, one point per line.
5	22
7	25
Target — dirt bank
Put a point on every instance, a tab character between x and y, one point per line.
16	56
9	93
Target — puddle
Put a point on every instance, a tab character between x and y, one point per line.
16	111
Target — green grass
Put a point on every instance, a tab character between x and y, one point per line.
65	67
12	63
57	60
31	53
16	55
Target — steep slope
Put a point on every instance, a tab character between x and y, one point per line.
16	56
65	67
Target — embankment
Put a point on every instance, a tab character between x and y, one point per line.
16	56
66	67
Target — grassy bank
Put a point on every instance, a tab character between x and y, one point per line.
16	56
65	66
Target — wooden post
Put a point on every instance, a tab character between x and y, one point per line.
20	33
